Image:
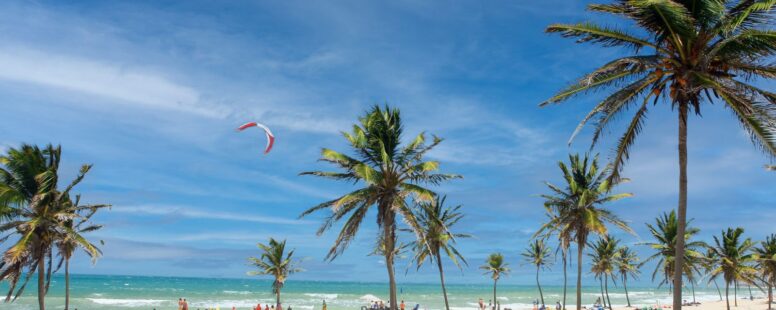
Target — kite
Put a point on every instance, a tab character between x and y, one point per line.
270	136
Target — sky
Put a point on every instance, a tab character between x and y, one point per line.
150	93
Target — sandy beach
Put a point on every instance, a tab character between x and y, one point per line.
743	304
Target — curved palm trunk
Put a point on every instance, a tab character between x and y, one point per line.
579	274
625	286
750	292
603	297
41	283
718	290
541	295
494	291
692	286
442	279
67	283
727	295
770	295
682	212
565	279
606	287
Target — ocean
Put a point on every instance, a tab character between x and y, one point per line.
141	292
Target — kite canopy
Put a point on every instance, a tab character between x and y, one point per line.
270	136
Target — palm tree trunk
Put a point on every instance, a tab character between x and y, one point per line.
692	286
389	231
541	295
67	283
579	273
750	292
277	300
494	290
718	291
603	297
606	287
735	293
770	295
41	282
442	279
625	286
565	279
727	295
682	212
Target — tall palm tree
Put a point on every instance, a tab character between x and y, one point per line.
495	266
390	173
627	265
735	258
538	255
276	262
604	257
765	255
72	237
436	238
689	53
665	232
577	207
28	183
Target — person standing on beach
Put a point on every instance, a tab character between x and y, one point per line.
401	305
185	304
324	305
180	303
482	304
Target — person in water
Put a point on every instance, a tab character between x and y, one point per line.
324	305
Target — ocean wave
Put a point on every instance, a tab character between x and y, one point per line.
236	292
322	295
369	298
127	302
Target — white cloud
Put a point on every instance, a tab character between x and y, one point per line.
188	212
112	81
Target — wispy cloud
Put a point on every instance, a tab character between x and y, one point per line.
188	212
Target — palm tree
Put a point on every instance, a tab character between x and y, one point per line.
435	238
627	265
766	264
604	258
72	238
391	174
577	210
275	262
665	232
564	243
734	259
28	183
538	254
709	262
495	267
688	53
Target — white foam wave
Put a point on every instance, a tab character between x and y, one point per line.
237	292
127	302
369	298
322	295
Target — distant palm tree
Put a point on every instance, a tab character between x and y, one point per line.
435	237
537	254
495	267
735	258
709	262
696	52
604	257
72	237
577	207
770	168
627	265
28	183
276	262
765	255
665	232
390	173
564	243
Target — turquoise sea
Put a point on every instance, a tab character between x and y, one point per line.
136	292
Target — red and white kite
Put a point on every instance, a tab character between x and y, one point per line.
270	137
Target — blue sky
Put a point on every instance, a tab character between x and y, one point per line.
150	93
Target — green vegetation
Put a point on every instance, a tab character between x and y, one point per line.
276	262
